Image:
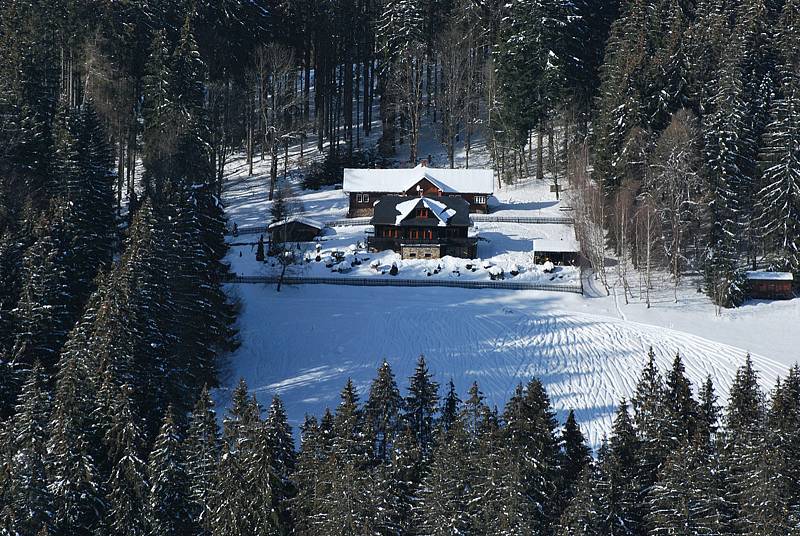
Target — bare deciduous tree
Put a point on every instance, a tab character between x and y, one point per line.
452	96
588	203
676	189
406	84
275	71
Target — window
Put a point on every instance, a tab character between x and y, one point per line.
362	198
423	213
414	234
427	255
480	199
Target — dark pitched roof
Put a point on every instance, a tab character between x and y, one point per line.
386	211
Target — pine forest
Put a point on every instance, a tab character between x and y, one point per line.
673	127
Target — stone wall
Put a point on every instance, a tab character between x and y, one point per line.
420	252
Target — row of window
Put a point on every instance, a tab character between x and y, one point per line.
413	234
479	199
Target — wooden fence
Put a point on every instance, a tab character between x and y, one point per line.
479	218
394	282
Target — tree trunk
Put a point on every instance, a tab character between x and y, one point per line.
539	154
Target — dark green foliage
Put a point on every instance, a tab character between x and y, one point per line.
75	485
531	59
575	457
127	488
383	412
444	497
167	510
329	171
619	482
283	460
689	495
681	408
450	406
26	497
260	249
421	405
202	456
650	418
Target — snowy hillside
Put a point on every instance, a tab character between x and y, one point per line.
304	342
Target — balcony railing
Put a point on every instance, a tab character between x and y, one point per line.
381	243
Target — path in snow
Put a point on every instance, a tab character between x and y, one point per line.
304	343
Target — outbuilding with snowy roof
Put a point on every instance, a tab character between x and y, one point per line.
770	285
295	229
365	187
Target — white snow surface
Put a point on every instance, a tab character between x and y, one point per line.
298	219
567	244
770	276
474	181
305	342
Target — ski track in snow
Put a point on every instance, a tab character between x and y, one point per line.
303	344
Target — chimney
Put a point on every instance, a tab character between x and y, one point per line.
423	162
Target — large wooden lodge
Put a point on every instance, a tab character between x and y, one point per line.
423	227
366	187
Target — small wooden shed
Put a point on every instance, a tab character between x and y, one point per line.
564	252
770	285
295	229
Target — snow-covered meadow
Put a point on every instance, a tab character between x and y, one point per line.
305	341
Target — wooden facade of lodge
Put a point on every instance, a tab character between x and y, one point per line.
423	227
366	187
770	285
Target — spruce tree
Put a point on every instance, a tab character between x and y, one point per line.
619	484
450	406
681	408
168	507
202	447
708	412
779	197
74	484
583	515
574	458
650	417
278	436
243	447
26	496
443	501
383	412
724	155
689	495
421	405
127	487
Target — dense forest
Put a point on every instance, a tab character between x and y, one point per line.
425	463
674	123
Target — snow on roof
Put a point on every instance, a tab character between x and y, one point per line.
468	181
298	219
440	210
770	276
569	245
